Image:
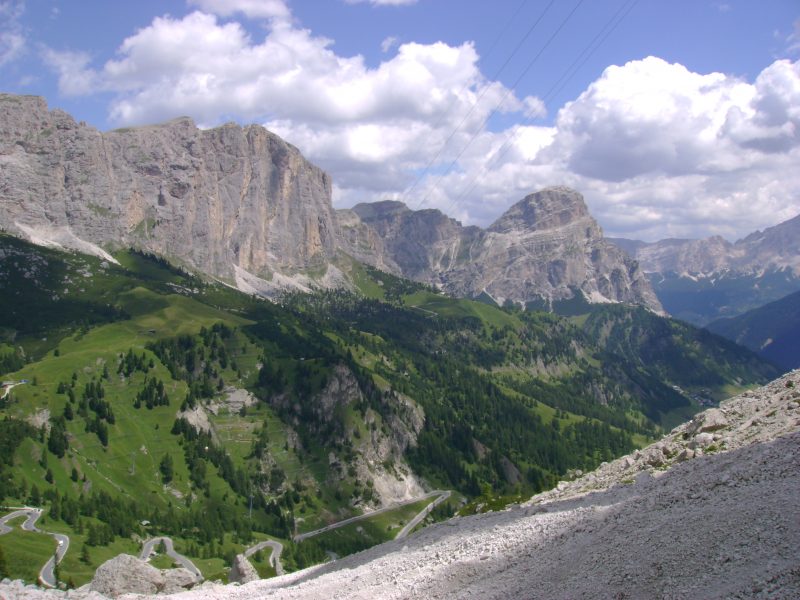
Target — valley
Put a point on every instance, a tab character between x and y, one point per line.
210	375
161	403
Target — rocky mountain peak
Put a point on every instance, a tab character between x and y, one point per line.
241	204
549	208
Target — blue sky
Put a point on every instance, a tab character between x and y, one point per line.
684	121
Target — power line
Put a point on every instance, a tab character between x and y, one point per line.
509	91
588	51
457	128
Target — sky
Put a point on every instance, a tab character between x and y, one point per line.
675	118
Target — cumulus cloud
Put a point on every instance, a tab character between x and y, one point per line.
351	118
657	149
684	151
254	9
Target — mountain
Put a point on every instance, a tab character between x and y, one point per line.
144	400
241	205
235	203
703	280
542	250
772	330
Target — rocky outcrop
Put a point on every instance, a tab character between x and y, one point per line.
229	201
379	441
756	416
545	248
126	574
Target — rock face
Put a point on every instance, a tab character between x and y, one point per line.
240	204
378	457
126	574
543	248
219	200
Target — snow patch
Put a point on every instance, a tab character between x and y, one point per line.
62	238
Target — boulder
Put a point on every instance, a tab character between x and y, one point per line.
126	574
702	440
709	420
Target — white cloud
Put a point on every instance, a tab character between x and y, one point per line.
656	149
793	39
664	151
12	37
388	43
74	76
254	9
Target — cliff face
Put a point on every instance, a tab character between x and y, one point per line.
241	204
210	199
542	249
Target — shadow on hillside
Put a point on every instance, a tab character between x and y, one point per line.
676	524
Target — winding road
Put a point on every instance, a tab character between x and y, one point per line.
441	494
149	547
47	575
274	558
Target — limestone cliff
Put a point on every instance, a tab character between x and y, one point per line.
228	201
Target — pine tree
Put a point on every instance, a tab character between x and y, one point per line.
3	564
166	468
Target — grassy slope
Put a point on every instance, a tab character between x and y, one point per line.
105	310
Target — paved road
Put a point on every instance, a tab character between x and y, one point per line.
46	575
149	548
33	515
422	514
274	558
303	536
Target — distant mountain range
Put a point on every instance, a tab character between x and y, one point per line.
703	280
772	330
241	205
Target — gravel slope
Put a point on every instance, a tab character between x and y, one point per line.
711	511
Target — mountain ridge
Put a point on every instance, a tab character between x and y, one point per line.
706	279
242	205
544	247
